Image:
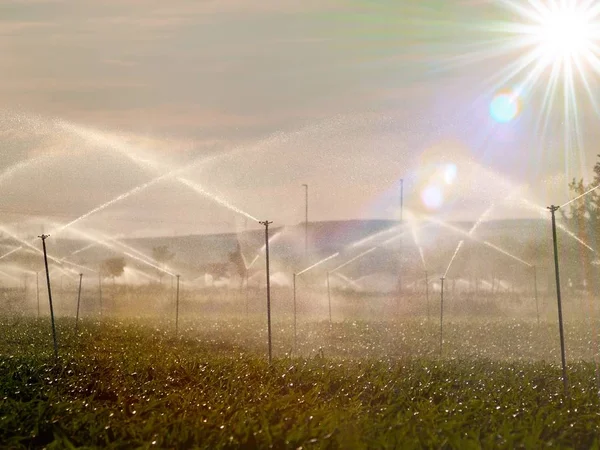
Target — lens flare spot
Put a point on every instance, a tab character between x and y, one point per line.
505	106
450	173
432	197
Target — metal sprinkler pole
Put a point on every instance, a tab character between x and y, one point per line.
177	308
43	237
295	316
563	357
441	315
535	293
266	224
329	299
78	302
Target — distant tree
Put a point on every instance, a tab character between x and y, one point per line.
112	267
583	219
162	255
584	214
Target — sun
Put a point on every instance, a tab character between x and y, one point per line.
550	53
565	33
554	39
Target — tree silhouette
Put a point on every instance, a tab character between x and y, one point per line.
112	267
162	255
583	219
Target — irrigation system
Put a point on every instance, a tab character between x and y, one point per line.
177	175
43	237
266	224
563	356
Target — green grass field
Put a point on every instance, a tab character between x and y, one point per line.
132	384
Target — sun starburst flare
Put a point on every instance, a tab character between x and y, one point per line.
550	51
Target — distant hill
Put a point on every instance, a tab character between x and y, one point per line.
388	245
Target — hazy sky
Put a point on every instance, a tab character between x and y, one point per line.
346	96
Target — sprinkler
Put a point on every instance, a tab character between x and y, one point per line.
43	237
266	223
563	357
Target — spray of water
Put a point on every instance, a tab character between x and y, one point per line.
7	275
221	201
114	244
131	152
24	243
476	225
253	261
274	237
10	252
23	165
453	257
142	257
370	238
119	198
589	191
350	261
318	263
140	273
471	237
66	271
394	238
244	260
498	249
82	249
543	213
348	281
132	256
481	219
415	236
